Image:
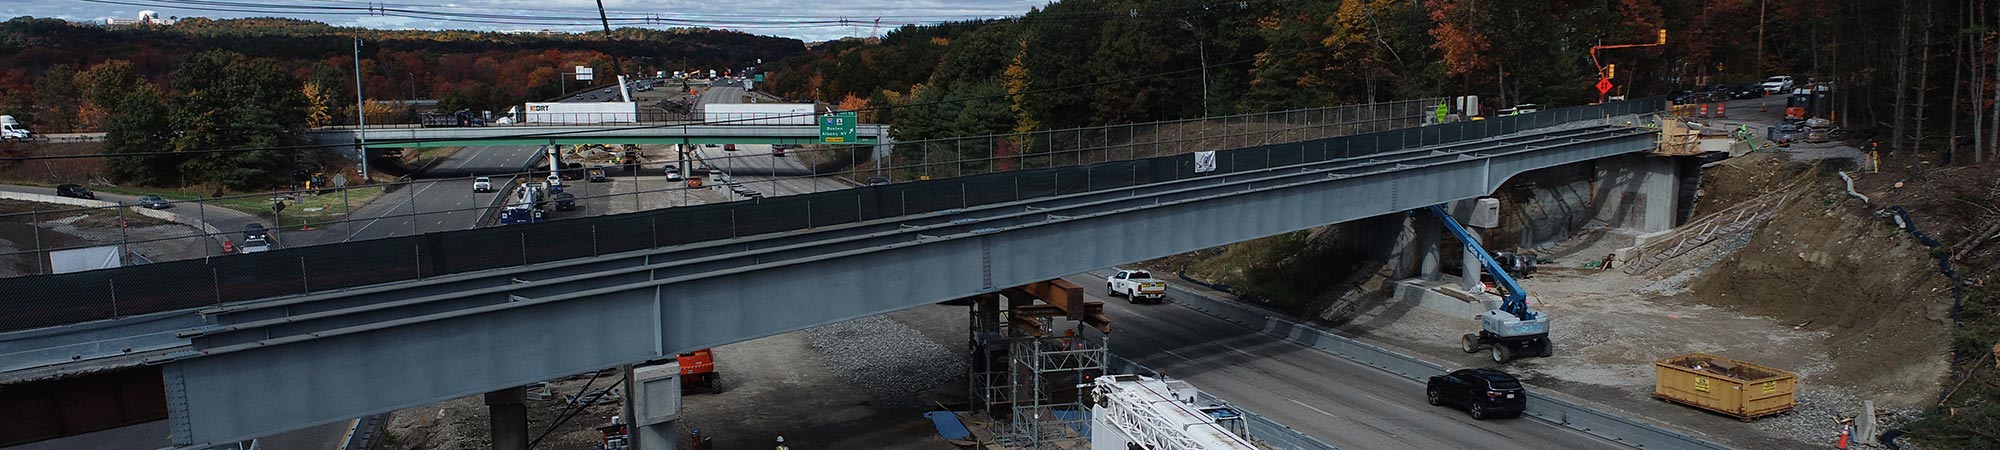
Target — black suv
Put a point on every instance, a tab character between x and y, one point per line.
74	191
255	231
1746	91
564	201
1487	393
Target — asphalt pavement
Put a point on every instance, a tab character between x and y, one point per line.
427	205
1335	400
153	435
757	169
223	219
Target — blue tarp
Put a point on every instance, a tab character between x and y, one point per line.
948	426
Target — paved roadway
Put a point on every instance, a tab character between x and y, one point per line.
1338	401
427	205
224	219
755	167
153	436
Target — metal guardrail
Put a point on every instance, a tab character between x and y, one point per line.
1541	405
1262	430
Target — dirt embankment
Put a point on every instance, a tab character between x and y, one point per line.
53	171
1302	272
1826	262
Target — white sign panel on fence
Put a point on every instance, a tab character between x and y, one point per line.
1204	162
81	259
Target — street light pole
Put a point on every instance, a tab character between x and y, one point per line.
361	115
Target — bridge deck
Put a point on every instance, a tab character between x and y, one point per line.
769	267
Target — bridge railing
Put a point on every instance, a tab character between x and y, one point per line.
645	116
46	300
966	155
809	170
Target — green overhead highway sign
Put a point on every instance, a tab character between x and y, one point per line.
838	128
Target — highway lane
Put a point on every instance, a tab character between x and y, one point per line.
721	94
1329	398
430	205
153	436
755	167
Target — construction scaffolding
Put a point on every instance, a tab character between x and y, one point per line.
1028	361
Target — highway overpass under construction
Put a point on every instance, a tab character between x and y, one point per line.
503	307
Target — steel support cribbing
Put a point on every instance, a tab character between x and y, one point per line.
293	363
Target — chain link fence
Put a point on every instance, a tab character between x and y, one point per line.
46	300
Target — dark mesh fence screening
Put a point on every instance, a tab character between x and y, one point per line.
45	300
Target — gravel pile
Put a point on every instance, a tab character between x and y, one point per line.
1815	417
884	358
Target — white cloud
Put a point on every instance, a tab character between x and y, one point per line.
802	19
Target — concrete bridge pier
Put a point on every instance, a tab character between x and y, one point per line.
1635	192
507	414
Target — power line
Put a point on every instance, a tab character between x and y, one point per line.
350	8
553	134
558	134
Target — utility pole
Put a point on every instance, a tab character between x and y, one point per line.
1759	64
1201	45
361	115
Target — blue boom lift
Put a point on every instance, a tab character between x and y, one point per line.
1512	330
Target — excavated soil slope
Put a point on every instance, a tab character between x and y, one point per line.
1826	262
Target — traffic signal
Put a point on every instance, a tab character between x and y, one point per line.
1610	71
1663	37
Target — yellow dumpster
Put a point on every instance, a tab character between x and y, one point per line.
1738	389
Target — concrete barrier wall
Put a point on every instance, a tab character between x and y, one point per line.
176	218
45	198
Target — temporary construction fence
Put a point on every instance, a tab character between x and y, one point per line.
46	300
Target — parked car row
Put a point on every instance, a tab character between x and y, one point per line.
1774	85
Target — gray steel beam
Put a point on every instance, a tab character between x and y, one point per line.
264	321
605	131
280	371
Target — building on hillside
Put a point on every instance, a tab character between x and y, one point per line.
145	18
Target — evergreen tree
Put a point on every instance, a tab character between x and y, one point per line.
232	102
141	126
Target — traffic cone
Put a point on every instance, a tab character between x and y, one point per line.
1845	431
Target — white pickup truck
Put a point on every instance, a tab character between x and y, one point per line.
1136	285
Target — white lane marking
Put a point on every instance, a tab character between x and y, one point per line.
392	209
1321	411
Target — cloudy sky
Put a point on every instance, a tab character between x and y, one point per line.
810	20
